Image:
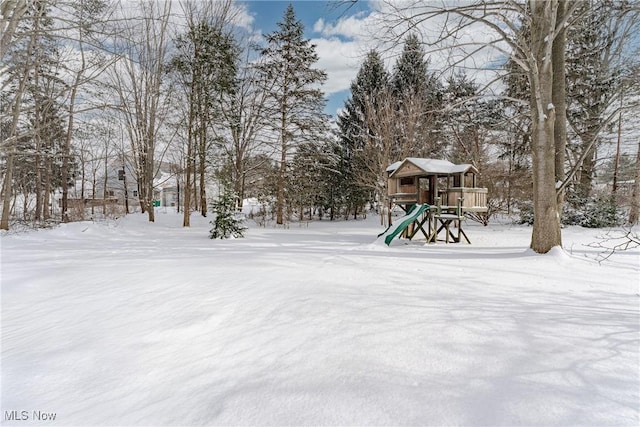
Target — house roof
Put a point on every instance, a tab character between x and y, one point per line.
432	166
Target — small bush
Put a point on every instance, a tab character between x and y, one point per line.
227	222
525	213
601	212
592	212
573	213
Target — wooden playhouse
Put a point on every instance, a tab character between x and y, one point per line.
450	190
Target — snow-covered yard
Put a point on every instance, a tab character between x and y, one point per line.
130	323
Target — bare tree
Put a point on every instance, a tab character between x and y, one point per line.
22	75
85	68
244	121
539	61
634	211
138	79
380	148
12	12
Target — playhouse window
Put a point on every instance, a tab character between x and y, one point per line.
406	181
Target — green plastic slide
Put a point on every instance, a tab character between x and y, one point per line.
402	223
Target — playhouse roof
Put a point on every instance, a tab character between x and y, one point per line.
431	166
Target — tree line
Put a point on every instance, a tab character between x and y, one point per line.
91	84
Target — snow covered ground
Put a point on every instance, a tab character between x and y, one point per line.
130	323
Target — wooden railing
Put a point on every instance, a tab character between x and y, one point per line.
473	199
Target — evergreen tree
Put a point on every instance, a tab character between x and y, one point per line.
371	81
418	97
227	222
468	122
516	112
514	145
594	50
295	102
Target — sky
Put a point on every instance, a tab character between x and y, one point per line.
344	31
339	44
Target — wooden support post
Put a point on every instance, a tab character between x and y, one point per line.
420	225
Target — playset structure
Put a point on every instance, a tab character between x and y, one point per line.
435	194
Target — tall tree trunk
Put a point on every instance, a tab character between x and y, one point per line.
66	148
82	178
150	172
104	184
186	212
142	188
203	164
6	188
560	98
38	170
46	185
616	162
546	227
194	186
239	179
634	212
283	168
588	168
94	184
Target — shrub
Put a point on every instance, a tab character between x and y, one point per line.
525	213
227	223
601	212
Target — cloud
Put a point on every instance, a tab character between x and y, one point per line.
340	59
342	47
318	26
242	17
352	27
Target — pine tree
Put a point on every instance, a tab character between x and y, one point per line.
468	121
227	222
296	103
593	70
418	98
371	81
